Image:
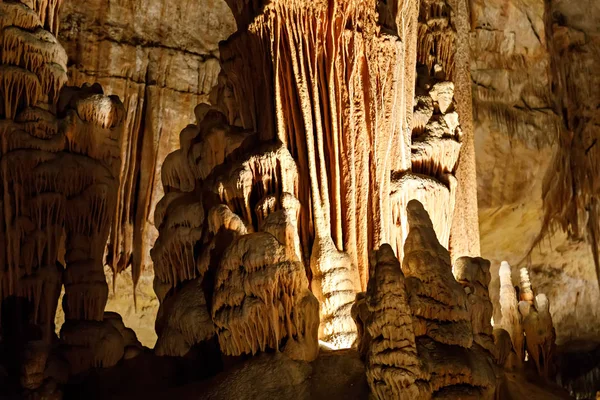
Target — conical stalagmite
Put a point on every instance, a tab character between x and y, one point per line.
394	370
442	322
526	292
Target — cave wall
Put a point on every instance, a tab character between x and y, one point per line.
517	126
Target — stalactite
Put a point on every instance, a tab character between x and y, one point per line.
19	88
436	36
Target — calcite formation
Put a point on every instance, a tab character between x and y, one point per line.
528	323
338	94
229	238
438	301
160	75
394	369
511	319
60	164
324	193
183	321
261	296
571	199
417	332
474	275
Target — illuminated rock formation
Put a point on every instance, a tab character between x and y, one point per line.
526	292
60	164
261	296
394	370
228	232
438	302
511	320
434	354
528	322
441	318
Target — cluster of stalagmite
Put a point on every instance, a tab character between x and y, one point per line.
228	258
418	324
527	321
59	164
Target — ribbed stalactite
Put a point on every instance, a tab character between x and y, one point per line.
339	88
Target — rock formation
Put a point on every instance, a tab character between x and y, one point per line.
394	370
60	164
441	318
474	275
528	322
418	332
317	215
229	239
547	335
347	201
516	88
511	319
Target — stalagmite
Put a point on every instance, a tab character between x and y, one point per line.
92	197
505	353
394	370
526	292
547	335
511	320
183	321
437	300
332	119
442	322
90	344
474	275
533	341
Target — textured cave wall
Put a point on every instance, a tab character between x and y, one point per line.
161	59
516	135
